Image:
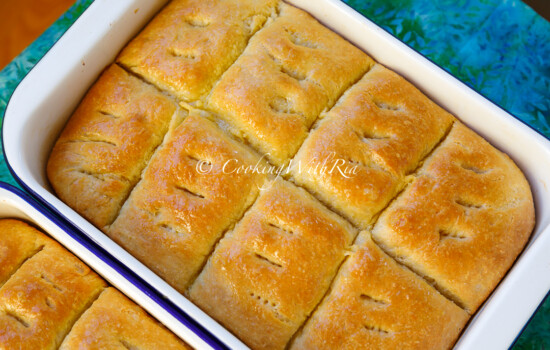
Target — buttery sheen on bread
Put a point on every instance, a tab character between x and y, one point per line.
267	274
237	148
49	300
290	72
376	302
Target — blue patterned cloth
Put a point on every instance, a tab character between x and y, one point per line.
501	48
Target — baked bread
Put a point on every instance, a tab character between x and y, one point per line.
108	142
176	214
190	43
290	72
376	301
113	321
382	127
463	219
281	141
44	290
270	271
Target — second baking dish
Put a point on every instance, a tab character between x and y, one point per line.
64	290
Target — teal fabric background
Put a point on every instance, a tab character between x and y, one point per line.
501	48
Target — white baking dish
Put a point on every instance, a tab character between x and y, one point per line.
44	100
19	205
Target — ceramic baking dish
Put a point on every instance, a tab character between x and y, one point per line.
18	205
46	97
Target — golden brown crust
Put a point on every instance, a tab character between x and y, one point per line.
292	70
18	243
176	213
463	220
44	290
40	302
268	274
375	303
114	322
190	43
104	147
376	134
464	216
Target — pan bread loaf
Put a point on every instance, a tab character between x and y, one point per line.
276	142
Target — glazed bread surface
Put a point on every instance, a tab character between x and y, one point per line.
45	290
267	274
376	301
236	148
108	142
463	220
290	72
176	214
190	43
383	127
114	322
